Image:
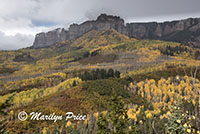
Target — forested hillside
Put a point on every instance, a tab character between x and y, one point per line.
123	85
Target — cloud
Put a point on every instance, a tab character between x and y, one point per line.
28	17
15	42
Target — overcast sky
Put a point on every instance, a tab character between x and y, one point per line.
20	20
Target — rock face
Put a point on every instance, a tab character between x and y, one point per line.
50	38
103	22
183	31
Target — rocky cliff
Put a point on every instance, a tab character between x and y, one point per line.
103	22
183	31
50	38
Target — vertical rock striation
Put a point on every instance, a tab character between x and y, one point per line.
50	38
184	31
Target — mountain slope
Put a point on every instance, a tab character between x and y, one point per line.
100	48
93	74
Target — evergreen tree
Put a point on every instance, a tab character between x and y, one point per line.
110	73
37	130
102	124
116	122
94	75
74	83
117	74
98	72
117	115
103	73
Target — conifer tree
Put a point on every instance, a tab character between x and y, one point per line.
37	130
110	72
116	122
117	74
102	124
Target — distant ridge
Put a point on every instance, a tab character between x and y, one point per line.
183	31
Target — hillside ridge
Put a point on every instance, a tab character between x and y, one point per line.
185	31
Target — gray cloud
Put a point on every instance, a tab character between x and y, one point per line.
32	16
15	42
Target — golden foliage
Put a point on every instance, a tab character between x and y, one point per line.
163	94
26	97
148	55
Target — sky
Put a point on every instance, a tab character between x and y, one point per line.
20	20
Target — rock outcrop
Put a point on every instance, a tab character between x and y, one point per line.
50	38
103	22
184	31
